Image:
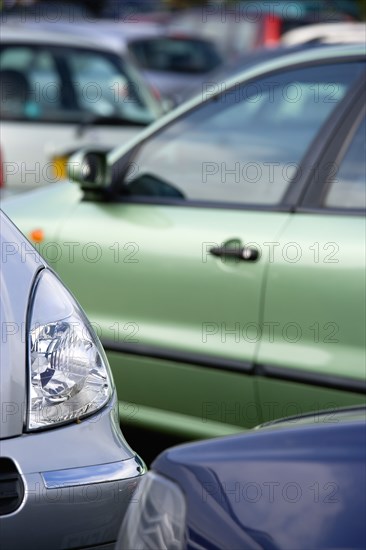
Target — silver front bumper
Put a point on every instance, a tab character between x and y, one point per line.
78	494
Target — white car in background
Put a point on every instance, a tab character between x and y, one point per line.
326	33
61	91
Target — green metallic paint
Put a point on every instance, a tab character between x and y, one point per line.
165	296
163	282
186	400
279	398
172	424
322	295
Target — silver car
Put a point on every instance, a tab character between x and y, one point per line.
61	90
66	472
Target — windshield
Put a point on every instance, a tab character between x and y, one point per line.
68	84
184	55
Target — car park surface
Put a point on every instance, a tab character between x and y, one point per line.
60	91
294	484
66	472
221	254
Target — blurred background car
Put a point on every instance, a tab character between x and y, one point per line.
297	483
66	472
195	42
176	63
326	33
214	250
60	91
166	10
172	63
240	27
299	39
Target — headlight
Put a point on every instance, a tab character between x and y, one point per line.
69	375
156	519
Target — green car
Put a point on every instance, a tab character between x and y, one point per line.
221	254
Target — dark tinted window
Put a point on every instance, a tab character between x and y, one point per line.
176	55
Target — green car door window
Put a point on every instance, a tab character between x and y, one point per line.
245	146
348	187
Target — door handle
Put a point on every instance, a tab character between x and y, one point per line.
243	253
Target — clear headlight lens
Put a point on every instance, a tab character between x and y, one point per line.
69	375
156	518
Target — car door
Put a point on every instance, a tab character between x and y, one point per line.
314	357
173	270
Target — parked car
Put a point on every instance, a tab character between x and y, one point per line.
326	33
294	484
173	64
221	253
242	27
60	91
66	472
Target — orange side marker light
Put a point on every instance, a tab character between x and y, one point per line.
37	235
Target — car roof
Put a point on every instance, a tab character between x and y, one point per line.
306	55
120	33
328	33
61	34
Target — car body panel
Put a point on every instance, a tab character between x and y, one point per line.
137	241
88	509
310	316
176	425
139	316
50	205
19	266
327	33
43	448
255	490
46	35
209	402
284	397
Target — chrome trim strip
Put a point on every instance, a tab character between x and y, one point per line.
100	473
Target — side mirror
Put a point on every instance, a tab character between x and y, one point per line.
89	168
